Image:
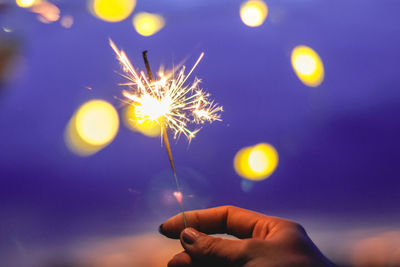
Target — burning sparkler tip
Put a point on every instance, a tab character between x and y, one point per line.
169	100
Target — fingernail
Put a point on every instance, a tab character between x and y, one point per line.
189	236
160	229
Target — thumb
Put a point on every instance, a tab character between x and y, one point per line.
205	248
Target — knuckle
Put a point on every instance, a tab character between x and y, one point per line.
298	235
296	227
230	207
299	228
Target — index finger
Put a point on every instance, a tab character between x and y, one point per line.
220	220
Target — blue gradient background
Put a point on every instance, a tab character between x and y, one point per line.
338	143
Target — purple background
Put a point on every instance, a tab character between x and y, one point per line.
338	144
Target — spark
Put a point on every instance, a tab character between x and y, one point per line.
169	100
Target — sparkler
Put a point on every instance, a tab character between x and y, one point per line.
169	102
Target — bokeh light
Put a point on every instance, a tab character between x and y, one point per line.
147	24
25	3
253	13
92	127
256	162
97	122
47	12
308	65
112	10
67	21
146	127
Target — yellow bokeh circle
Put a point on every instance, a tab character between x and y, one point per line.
307	65
253	13
256	162
25	3
147	24
112	10
97	122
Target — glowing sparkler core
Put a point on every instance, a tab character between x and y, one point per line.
151	108
168	101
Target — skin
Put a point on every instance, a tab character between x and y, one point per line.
263	240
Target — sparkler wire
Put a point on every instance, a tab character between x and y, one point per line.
166	142
169	102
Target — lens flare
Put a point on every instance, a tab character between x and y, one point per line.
257	162
112	10
92	127
307	65
253	13
147	24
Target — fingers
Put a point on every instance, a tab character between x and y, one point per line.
209	249
226	219
180	260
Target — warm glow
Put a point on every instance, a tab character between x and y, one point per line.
253	13
147	24
25	3
257	162
167	100
263	160
92	127
97	122
152	108
112	10
146	127
308	66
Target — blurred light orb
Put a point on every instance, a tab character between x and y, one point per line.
256	162
92	127
67	21
307	65
145	127
47	12
25	3
253	13
263	160
97	122
147	24
112	10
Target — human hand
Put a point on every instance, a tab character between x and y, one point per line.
263	240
